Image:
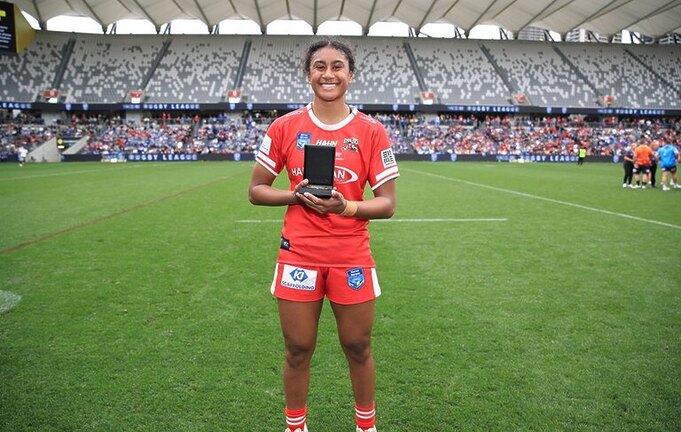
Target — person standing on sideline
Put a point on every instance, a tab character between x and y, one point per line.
642	156
21	155
669	157
324	249
653	164
582	155
628	165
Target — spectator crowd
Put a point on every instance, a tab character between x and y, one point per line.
414	133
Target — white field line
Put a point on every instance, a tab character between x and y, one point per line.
63	173
392	220
551	200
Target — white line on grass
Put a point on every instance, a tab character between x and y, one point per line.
8	300
541	198
392	220
62	173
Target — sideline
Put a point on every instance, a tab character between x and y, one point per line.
541	198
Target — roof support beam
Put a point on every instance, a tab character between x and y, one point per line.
397	6
540	14
315	24
483	14
425	17
450	8
144	12
505	8
203	15
92	13
263	27
600	12
43	24
365	31
670	5
342	9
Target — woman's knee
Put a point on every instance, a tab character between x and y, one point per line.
299	354
358	351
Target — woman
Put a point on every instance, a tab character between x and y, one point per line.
324	248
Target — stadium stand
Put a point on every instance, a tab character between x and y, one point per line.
664	59
458	72
384	74
266	69
104	68
25	76
614	72
274	71
538	71
196	69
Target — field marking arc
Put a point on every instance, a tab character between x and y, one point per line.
541	198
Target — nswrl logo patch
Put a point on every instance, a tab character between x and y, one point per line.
302	139
355	278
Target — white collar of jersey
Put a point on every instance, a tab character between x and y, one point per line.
333	127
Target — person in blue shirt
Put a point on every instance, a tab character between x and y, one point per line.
668	156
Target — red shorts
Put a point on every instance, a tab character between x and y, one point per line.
342	285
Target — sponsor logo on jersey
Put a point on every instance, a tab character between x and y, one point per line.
265	145
388	158
298	278
285	243
342	175
355	278
302	139
351	144
324	142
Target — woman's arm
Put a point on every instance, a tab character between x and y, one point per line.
381	206
261	192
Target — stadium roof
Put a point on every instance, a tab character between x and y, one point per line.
606	17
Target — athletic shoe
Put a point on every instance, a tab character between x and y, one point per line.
676	186
371	429
297	429
624	185
635	186
643	187
665	188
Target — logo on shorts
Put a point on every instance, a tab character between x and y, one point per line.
298	275
299	278
355	278
302	139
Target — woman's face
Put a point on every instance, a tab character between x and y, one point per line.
329	74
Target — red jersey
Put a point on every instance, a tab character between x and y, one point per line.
363	155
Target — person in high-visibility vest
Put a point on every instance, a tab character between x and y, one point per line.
582	155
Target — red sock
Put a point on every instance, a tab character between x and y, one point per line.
295	419
365	417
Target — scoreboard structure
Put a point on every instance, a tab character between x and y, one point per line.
15	32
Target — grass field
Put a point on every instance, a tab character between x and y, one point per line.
529	297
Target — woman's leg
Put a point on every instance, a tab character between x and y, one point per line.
354	331
299	323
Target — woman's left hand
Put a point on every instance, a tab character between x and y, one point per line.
335	204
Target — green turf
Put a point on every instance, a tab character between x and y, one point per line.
145	302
